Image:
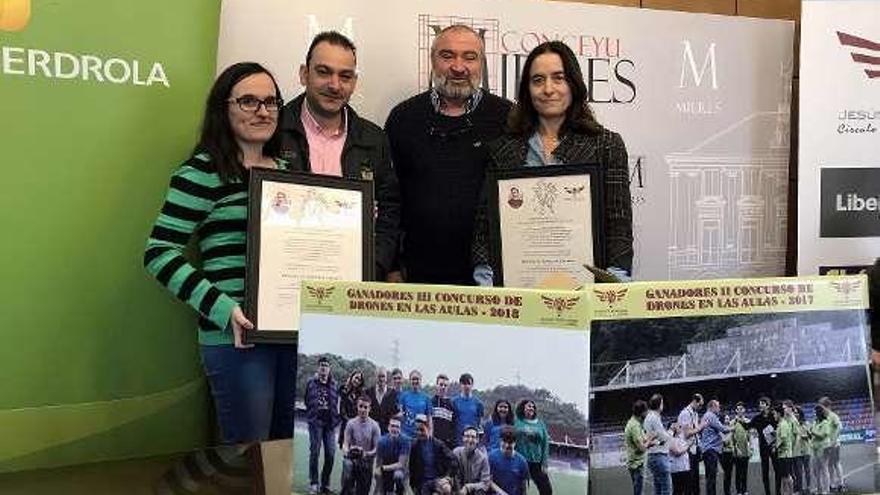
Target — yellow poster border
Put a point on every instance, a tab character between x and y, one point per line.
719	297
482	305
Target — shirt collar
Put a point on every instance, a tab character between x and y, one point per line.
309	120
469	105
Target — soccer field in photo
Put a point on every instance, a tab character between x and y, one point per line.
563	483
860	471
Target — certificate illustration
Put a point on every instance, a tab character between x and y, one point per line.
302	227
546	225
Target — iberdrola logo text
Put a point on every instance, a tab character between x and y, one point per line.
33	62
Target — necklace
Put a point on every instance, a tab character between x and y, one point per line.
549	144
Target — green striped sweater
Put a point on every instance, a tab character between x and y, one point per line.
199	204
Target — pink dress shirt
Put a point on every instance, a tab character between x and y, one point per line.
325	146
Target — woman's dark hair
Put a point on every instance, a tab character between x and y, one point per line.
217	138
523	119
521	408
820	413
350	382
508	419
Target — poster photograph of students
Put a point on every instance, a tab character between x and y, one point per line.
431	389
731	387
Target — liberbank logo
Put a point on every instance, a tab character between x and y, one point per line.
34	62
14	14
865	52
850	202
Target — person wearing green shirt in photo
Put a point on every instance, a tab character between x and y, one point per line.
802	453
726	460
820	432
636	442
742	450
533	442
832	453
786	437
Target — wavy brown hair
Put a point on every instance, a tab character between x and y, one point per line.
523	119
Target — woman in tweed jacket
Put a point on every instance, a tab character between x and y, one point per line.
552	123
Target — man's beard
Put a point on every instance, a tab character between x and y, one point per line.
453	91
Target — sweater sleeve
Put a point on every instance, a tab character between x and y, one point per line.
189	201
545	448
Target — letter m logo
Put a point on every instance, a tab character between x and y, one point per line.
14	14
689	62
315	27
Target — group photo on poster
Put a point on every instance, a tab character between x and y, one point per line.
432	405
755	402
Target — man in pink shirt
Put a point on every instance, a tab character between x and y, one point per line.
322	134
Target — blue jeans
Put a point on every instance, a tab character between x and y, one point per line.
658	464
253	389
636	475
321	435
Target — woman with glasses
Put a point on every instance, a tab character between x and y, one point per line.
252	385
551	124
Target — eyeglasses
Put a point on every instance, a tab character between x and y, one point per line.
250	103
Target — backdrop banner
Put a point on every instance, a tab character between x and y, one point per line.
702	102
100	102
838	166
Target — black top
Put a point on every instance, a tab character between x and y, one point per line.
444	419
759	422
382	412
440	162
444	461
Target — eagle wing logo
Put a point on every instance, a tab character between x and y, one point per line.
560	304
320	293
611	296
575	190
847	286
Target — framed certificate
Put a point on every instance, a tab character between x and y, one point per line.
302	226
546	224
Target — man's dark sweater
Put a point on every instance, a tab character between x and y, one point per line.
440	162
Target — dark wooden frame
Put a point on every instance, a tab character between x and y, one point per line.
252	273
